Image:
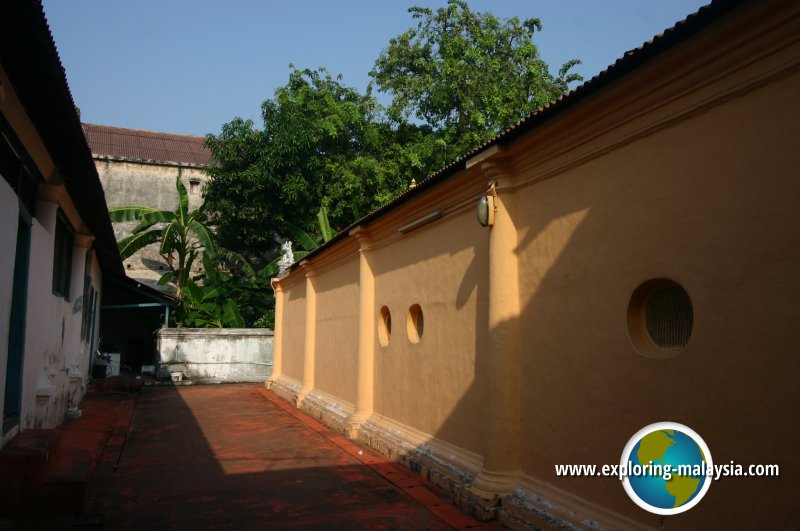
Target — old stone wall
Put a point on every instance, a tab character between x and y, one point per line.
152	185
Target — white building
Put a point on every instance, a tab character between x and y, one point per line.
55	235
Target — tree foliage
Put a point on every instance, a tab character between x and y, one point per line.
456	79
467	75
322	144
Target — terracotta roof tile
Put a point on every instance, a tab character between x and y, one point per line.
146	145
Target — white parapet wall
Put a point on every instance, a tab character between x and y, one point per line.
216	355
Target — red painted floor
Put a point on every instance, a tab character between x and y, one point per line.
237	457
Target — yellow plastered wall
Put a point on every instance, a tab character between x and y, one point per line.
335	368
432	385
294	322
710	202
685	169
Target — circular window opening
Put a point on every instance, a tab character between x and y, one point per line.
384	326
415	323
660	318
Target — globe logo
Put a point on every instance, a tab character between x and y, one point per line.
666	466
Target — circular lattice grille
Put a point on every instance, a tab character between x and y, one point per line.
669	317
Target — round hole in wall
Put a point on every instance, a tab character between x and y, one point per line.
660	318
415	323
384	326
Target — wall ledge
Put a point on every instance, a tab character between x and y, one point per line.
332	413
286	388
533	504
441	463
216	332
538	503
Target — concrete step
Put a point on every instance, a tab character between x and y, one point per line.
46	473
66	482
23	462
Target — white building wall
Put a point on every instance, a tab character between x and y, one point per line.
81	347
56	358
44	319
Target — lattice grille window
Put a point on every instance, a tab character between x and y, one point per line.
669	317
660	318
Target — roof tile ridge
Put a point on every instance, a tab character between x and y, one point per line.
143	132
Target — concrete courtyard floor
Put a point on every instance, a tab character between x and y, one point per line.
238	457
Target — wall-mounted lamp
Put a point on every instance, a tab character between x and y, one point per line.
486	207
486	211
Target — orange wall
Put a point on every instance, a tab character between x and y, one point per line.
293	332
431	385
711	203
337	331
685	169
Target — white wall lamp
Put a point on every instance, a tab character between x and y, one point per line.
486	208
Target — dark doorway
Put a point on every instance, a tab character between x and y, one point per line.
16	337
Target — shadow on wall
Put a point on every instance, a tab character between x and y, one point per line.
156	265
428	380
587	240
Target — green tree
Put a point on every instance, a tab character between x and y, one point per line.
322	144
180	232
456	79
467	75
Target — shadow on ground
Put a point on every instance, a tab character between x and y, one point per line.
225	457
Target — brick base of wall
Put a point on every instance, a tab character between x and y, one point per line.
519	510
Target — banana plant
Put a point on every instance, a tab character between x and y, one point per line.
218	299
205	306
180	233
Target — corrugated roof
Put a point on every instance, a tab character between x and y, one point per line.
133	144
630	60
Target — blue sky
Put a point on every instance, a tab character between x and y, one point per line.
188	66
